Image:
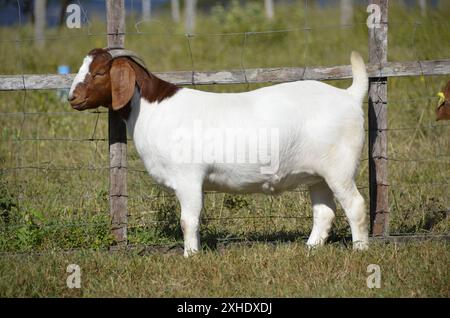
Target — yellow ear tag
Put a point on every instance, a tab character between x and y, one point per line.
441	98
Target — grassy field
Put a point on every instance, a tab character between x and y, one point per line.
54	177
283	270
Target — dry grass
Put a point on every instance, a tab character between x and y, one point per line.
284	270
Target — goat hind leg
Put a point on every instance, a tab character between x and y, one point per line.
323	213
353	204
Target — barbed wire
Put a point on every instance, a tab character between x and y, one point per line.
139	223
219	34
178	245
49	167
97	113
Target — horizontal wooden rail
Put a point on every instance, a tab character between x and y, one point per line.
261	75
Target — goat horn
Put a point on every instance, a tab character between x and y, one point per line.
118	52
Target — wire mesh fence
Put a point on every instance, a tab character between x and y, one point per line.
54	161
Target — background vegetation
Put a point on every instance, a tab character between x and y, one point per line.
54	176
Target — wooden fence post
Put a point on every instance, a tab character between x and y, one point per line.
115	12
40	10
190	12
346	12
175	9
423	7
146	10
268	4
378	158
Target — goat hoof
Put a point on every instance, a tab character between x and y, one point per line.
189	253
361	245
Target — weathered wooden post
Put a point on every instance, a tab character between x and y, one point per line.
175	9
378	157
423	7
146	10
115	13
346	12
39	22
190	15
268	4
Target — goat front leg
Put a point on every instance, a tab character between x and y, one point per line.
191	201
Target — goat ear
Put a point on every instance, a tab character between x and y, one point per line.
123	80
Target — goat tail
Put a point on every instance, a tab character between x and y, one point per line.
360	84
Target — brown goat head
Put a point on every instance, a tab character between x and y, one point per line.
104	80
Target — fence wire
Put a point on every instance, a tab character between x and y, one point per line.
440	160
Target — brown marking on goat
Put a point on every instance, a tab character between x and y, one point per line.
443	110
111	82
152	88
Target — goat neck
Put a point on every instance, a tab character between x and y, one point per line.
149	87
152	88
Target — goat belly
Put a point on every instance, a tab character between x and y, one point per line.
233	180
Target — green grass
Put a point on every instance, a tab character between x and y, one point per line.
64	203
283	270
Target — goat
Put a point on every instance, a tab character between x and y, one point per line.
443	110
316	130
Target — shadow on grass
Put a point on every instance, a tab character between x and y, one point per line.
215	239
219	240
